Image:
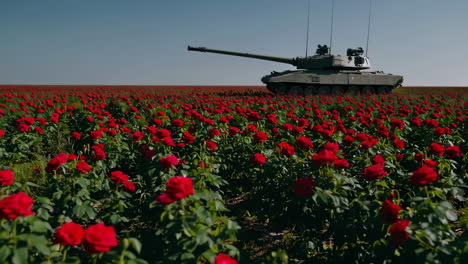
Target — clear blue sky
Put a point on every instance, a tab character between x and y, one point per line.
144	41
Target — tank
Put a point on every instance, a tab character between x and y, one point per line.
323	73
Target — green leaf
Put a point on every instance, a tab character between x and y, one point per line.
187	256
115	219
5	251
40	226
79	210
451	215
40	243
20	256
90	212
136	244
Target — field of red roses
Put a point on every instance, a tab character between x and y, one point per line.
135	176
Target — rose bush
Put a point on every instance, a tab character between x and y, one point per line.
134	176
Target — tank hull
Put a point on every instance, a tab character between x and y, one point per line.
303	82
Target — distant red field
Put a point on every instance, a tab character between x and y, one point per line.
159	88
214	88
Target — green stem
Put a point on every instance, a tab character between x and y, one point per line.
427	192
13	233
122	259
420	240
64	257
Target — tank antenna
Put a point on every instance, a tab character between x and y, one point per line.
308	17
369	26
331	27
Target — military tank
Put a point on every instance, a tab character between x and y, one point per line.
323	73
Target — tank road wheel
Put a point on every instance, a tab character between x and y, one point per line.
296	90
337	90
380	89
388	89
271	88
310	90
280	88
324	90
367	90
353	90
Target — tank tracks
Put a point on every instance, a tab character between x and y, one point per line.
309	90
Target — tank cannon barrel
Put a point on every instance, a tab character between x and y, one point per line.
241	54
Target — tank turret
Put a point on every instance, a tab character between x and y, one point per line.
322	73
322	60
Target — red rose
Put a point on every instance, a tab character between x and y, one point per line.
164	199
118	177
147	152
177	123
99	238
286	149
168	141
396	123
162	133
390	211
187	137
324	156
211	145
341	163
251	127
158	121
56	162
69	234
129	186
303	186
224	259
362	136
399	143
151	129
297	130
260	137
430	163
439	131
378	159
177	188
398	232
168	162
419	157
72	156
137	136
98	152
399	156
453	152
258	159
332	146
367	144
374	172
437	149
23	127
348	140
424	175
213	132
7	177
304	143
15	205
83	167
95	134
2	133
303	122
233	131
39	130
287	126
